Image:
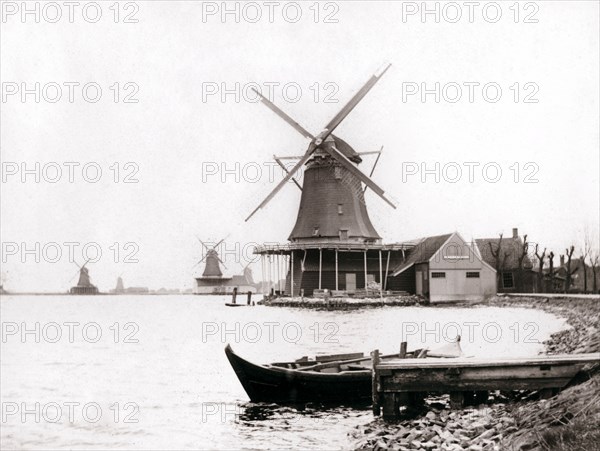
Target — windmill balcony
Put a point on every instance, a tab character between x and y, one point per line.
287	248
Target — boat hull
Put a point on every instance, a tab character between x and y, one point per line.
288	386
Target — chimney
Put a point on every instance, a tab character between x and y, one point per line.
562	260
515	233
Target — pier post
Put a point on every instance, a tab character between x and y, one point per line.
249	297
233	295
457	400
402	353
375	383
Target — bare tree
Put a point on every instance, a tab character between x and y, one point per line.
569	273
540	275
586	252
499	260
595	261
551	263
521	259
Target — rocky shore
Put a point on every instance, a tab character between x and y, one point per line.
345	303
516	420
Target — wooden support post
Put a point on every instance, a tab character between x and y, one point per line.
380	277
262	273
546	393
375	383
278	275
391	406
403	347
387	268
457	400
366	286
320	266
249	297
233	295
292	274
336	270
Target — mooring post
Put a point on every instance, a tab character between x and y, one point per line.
249	297
233	295
375	380
402	353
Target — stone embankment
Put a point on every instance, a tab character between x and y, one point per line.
345	303
517	420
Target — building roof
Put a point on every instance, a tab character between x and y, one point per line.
511	247
422	252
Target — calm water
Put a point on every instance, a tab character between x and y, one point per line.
160	378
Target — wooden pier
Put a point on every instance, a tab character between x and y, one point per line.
406	381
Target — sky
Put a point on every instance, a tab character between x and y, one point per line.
183	148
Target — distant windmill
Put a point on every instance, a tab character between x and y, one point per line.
3	279
120	288
212	280
247	272
84	284
212	268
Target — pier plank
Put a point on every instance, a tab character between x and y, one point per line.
549	373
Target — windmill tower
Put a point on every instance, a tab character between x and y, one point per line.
3	278
212	280
333	244
84	284
120	288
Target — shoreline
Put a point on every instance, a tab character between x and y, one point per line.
510	421
345	303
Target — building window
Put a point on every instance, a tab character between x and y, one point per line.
337	172
507	280
438	275
340	209
315	231
343	234
472	274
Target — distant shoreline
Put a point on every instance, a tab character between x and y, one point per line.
98	294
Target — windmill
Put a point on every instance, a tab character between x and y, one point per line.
329	158
332	216
3	279
212	268
212	280
84	284
120	288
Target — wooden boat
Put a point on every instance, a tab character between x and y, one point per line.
332	379
231	304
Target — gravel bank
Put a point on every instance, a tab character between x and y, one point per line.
511	421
